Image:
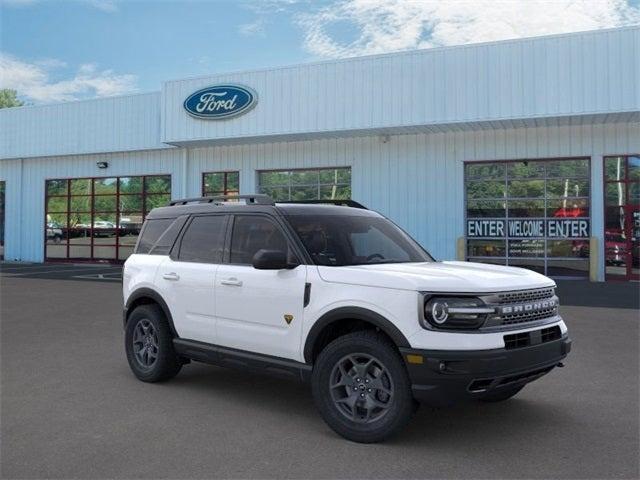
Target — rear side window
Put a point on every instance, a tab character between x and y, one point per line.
151	232
203	241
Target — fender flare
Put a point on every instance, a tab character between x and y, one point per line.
157	298
352	313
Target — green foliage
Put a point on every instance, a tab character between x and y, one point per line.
9	98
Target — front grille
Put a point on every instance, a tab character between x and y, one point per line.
536	337
524	296
528	317
524	306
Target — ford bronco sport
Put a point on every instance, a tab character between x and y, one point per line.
336	295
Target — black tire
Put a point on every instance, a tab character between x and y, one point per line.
148	328
376	413
501	395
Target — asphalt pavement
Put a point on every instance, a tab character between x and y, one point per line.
70	408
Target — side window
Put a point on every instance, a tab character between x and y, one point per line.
252	233
167	239
203	241
151	233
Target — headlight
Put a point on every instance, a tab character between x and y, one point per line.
455	312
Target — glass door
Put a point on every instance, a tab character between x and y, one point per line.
622	217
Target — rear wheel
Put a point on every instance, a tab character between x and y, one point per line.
149	345
361	387
501	395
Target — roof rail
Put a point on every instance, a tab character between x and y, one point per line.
220	199
342	203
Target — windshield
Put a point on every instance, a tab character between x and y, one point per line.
342	240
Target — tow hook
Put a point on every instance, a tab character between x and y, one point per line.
560	365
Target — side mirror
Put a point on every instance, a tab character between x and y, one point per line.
271	260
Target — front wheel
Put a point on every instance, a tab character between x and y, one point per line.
149	345
361	387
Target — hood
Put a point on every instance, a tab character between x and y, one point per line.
458	277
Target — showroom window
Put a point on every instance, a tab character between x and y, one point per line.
308	184
533	214
99	218
220	183
622	217
2	190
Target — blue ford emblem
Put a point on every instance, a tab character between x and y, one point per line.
220	101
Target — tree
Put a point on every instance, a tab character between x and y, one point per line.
9	98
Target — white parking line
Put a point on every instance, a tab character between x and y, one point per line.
33	272
98	276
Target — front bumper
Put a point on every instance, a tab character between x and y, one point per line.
443	377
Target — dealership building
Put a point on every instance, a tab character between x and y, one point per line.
522	152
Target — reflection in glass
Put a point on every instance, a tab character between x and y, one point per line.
96	216
615	193
309	184
634	168
568	168
525	208
221	183
526	189
536	191
80	186
105	203
485	170
485	189
568	208
130	185
526	169
526	248
485	208
105	186
568	268
614	168
79	252
486	248
567	188
57	187
157	184
568	248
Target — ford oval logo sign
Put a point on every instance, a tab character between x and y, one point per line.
220	101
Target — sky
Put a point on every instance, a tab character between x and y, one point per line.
61	50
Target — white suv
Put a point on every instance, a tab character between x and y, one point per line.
337	295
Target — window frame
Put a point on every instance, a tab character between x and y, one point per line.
225	181
319	185
91	212
506	178
626	181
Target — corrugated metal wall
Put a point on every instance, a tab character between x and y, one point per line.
414	179
100	125
575	74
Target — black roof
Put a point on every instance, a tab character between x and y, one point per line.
258	204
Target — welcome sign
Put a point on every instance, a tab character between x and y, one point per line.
220	102
528	228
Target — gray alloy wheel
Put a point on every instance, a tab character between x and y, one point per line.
145	343
361	387
149	345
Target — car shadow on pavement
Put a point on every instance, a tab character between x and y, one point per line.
478	422
599	294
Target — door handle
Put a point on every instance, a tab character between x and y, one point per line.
232	282
171	276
